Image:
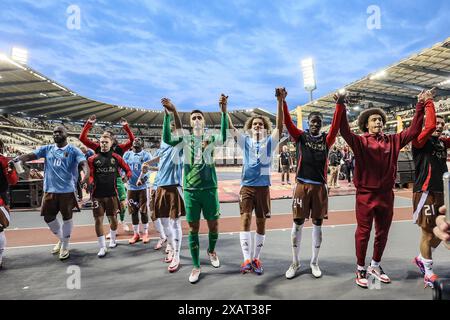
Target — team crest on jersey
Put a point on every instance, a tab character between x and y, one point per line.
66	154
113	161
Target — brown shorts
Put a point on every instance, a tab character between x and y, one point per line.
108	205
169	202
430	209
137	201
255	198
310	201
53	203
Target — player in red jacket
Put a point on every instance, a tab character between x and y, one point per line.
104	167
118	148
376	157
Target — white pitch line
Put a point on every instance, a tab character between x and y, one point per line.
201	235
221	217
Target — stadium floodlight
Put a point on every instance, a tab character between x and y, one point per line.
342	91
378	75
19	55
309	78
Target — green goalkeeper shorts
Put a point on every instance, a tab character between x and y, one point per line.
197	201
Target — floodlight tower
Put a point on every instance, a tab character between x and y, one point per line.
309	78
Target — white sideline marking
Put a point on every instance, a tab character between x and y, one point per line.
221	217
201	235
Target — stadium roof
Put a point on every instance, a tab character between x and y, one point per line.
398	84
26	92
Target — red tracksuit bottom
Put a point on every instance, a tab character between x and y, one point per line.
370	206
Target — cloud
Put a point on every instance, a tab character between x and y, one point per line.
134	52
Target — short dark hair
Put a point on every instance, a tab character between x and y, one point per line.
111	133
439	116
363	118
315	113
197	111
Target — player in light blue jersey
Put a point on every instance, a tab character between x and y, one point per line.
137	194
168	201
258	149
60	176
146	176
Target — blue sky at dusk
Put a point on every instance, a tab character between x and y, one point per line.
132	53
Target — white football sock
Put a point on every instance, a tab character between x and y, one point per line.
428	264
296	237
374	264
146	228
177	235
55	227
259	244
167	230
316	242
360	268
136	228
102	242
113	234
67	228
159	228
246	244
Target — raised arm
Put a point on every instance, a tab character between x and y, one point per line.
127	145
223	103
233	131
414	130
344	127
334	129
84	134
290	126
167	134
281	94
430	125
169	106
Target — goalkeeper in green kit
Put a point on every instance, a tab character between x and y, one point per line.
200	179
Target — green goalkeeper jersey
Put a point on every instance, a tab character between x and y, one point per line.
198	155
